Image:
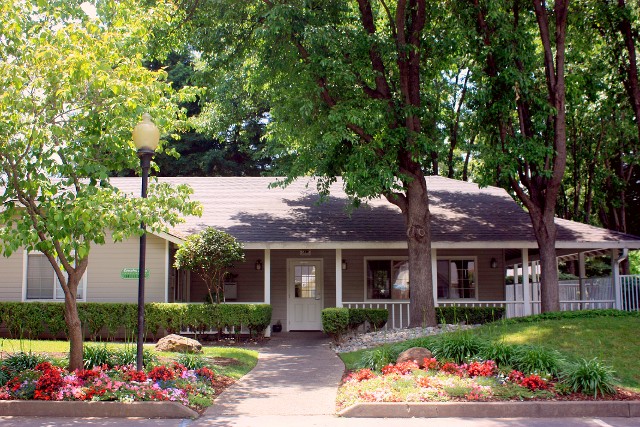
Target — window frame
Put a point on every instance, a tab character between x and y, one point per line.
366	259
25	276
473	258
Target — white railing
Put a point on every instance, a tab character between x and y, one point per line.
630	287
398	312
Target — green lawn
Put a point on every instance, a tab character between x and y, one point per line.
245	359
614	340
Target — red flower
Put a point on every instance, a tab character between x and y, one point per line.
49	382
401	368
516	376
534	382
161	373
452	368
206	373
430	363
482	369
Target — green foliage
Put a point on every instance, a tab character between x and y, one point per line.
457	346
104	320
589	377
379	357
335	322
97	355
469	315
209	254
500	352
579	314
192	361
535	359
128	356
634	262
22	361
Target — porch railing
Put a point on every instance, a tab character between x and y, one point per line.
630	287
398	312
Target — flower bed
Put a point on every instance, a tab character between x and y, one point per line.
448	381
193	388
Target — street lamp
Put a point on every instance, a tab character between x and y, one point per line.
146	137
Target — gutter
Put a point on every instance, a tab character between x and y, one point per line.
616	277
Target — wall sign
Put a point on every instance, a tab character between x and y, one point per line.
132	273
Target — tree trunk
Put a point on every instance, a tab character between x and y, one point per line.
417	219
73	324
545	231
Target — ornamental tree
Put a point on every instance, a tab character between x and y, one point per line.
73	89
209	254
354	90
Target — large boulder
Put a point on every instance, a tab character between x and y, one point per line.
178	343
415	354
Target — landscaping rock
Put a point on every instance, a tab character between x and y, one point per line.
415	354
179	344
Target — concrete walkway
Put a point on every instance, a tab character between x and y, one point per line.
297	375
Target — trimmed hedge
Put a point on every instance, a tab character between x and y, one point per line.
468	315
578	314
338	321
34	319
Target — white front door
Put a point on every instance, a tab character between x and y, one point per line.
304	294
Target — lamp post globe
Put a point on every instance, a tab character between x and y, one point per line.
146	137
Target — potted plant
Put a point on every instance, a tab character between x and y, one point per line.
277	327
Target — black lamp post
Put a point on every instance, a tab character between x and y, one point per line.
146	137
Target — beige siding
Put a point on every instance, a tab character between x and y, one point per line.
490	280
11	277
104	283
250	282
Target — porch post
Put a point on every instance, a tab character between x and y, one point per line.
267	284
526	285
338	277
615	278
582	274
434	275
516	279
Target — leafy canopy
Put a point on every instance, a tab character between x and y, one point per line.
209	254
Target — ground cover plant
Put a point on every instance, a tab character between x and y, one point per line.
562	357
109	374
609	335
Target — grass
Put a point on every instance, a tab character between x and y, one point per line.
245	359
614	340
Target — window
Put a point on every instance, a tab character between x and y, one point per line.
456	279
387	279
42	282
305	281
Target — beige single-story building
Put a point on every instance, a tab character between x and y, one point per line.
302	255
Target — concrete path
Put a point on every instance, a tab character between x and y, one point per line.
297	374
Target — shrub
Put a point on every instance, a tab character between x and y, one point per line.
458	346
589	377
357	317
21	361
97	355
129	354
335	322
501	353
580	314
192	361
532	359
469	315
377	358
377	317
106	319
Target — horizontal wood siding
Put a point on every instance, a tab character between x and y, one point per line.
104	283
11	277
250	282
490	280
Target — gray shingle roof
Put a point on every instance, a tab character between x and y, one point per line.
461	212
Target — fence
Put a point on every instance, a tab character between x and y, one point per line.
630	290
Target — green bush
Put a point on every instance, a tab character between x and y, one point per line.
469	315
500	352
589	377
97	355
105	320
22	361
357	317
377	358
192	361
581	314
377	317
335	322
457	346
534	359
